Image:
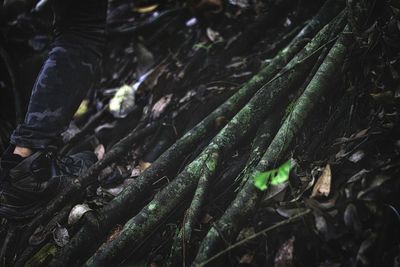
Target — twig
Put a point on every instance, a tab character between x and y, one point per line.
273	227
86	129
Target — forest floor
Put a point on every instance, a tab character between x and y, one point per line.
228	133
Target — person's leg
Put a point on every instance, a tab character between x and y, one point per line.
63	82
66	75
30	175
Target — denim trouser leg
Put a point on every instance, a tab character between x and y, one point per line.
63	82
67	74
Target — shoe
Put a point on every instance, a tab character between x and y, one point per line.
29	183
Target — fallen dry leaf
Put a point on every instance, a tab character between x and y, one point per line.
135	172
122	102
357	156
284	256
100	151
38	236
358	176
144	165
246	258
323	185
220	121
60	236
114	233
206	219
150	79
141	167
146	9
77	212
213	35
361	133
82	109
160	106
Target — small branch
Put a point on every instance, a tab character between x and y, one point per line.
263	232
86	129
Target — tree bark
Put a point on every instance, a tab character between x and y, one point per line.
229	224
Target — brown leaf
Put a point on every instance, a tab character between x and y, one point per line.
206	219
362	133
323	185
284	256
213	35
141	167
135	172
83	108
144	165
357	156
220	121
146	9
160	106
114	233
150	79
246	258
122	102
77	213
38	236
100	151
60	236
358	176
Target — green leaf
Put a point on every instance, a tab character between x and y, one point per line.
283	173
275	177
260	180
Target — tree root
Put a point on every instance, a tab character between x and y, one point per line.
72	194
126	204
138	228
263	136
228	225
33	249
115	211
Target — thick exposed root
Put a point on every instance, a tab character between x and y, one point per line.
72	194
199	173
244	204
139	227
116	211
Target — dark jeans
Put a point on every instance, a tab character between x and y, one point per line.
70	70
